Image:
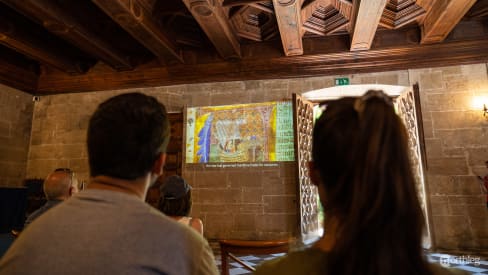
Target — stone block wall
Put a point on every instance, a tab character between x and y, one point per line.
234	203
259	203
59	129
16	109
245	203
456	137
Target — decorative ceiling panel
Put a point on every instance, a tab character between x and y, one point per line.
324	17
255	21
399	13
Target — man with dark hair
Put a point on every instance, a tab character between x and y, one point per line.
108	229
58	186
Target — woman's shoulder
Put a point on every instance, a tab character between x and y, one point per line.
308	261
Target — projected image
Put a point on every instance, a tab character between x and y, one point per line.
240	133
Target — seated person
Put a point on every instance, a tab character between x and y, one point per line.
58	186
374	222
175	201
108	228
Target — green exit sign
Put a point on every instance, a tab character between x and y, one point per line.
342	81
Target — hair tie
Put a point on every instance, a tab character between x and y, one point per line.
360	102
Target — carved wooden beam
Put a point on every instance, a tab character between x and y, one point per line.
480	9
137	19
61	24
16	72
467	52
425	4
31	40
391	50
212	19
366	22
288	17
442	18
265	8
18	78
231	3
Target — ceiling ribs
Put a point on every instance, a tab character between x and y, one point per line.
17	77
442	18
212	19
58	22
31	40
366	22
480	9
134	17
288	17
263	7
425	4
321	63
17	71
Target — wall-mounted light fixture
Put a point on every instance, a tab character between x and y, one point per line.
480	103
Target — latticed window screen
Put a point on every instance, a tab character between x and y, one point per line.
408	108
306	192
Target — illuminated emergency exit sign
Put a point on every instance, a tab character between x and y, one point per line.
342	81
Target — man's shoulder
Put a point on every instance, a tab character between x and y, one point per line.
34	215
109	224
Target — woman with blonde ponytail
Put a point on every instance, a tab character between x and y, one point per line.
360	164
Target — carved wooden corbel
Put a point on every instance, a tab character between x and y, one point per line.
288	17
214	22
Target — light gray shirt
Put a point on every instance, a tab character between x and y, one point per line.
106	232
34	215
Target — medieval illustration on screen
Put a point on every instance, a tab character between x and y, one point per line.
259	132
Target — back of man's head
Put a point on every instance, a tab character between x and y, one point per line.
57	185
126	135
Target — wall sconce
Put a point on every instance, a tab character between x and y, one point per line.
480	103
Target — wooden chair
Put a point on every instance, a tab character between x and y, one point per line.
240	247
15	233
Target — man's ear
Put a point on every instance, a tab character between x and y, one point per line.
313	173
159	164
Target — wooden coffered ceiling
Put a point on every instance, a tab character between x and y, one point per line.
60	46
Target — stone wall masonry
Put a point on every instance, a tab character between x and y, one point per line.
245	203
60	124
456	137
16	110
239	204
